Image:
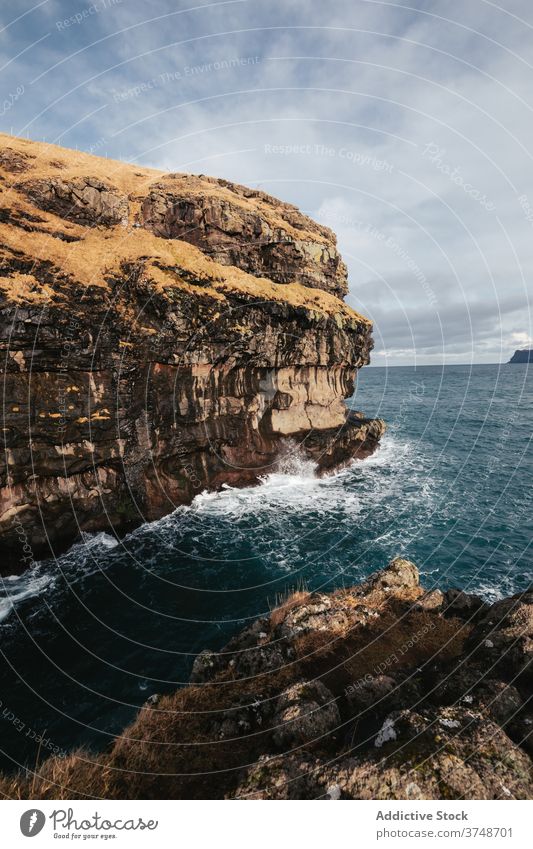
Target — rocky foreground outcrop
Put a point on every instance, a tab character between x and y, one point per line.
379	691
161	335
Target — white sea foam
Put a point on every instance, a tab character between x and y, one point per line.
292	488
291	518
17	588
97	540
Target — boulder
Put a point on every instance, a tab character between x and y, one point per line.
503	639
399	575
304	713
86	200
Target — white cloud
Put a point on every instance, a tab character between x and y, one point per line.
522	340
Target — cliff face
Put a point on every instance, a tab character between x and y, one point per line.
378	691
143	360
523	356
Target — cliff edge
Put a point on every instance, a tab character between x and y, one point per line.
162	334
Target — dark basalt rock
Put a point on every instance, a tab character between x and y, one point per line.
523	356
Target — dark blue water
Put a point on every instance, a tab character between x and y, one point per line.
87	639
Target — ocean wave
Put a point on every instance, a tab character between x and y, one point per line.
76	564
18	588
293	521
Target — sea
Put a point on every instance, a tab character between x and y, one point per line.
88	638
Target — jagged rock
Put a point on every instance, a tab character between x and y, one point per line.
458	603
500	700
320	613
503	639
15	161
247	717
304	713
520	730
246	655
246	228
290	777
441	755
371	692
205	666
152	701
449	755
470	687
400	574
359	694
256	661
86	200
524	355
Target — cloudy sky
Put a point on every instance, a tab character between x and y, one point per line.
407	128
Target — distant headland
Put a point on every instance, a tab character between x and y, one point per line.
525	356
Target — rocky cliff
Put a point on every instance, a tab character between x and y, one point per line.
161	334
523	356
378	691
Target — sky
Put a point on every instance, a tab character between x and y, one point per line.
405	127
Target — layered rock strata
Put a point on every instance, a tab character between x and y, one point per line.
246	228
158	340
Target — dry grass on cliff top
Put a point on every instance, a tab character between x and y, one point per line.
48	161
44	160
99	252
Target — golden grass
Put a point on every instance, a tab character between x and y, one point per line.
50	160
24	288
101	251
294	600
